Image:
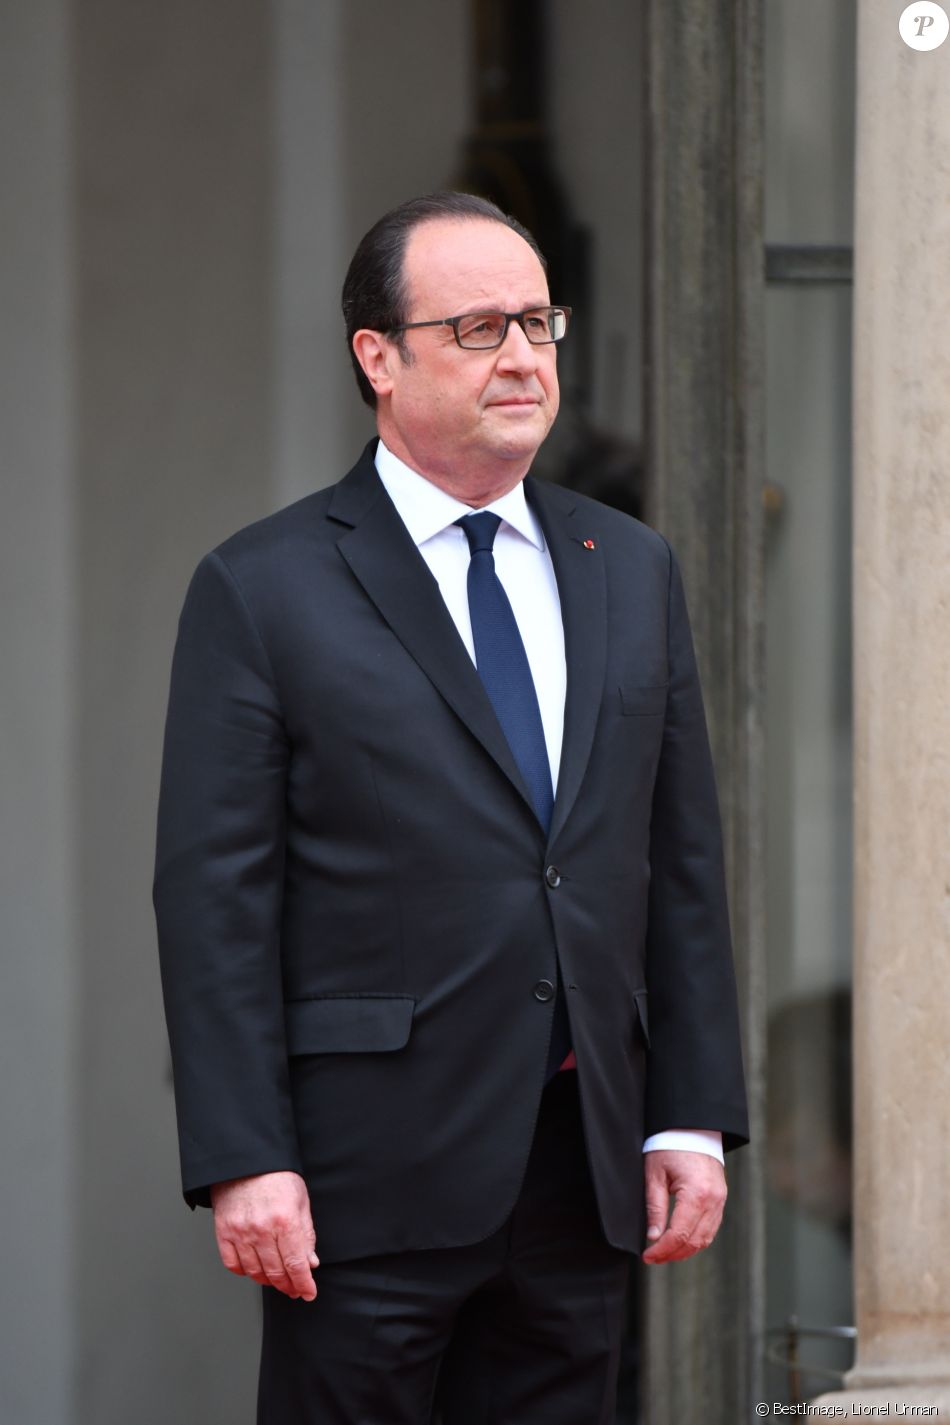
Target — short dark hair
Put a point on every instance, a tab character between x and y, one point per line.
374	291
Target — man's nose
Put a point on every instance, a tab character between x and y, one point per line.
516	351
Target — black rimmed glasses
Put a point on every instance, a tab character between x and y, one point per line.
481	331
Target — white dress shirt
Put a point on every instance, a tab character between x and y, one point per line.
523	564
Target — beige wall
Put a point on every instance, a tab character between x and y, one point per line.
172	255
39	934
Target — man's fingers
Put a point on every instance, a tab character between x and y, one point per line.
294	1246
272	1263
275	1267
692	1227
299	1276
680	1238
252	1264
658	1208
658	1195
229	1256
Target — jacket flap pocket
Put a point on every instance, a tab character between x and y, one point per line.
641	702
640	1000
348	1024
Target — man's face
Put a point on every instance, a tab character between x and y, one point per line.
469	418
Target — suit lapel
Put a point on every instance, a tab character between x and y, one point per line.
380	552
582	589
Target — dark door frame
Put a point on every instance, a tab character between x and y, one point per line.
704	398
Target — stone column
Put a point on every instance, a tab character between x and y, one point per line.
902	722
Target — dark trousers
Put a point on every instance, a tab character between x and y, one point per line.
521	1329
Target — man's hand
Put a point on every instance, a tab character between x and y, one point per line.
698	1183
265	1231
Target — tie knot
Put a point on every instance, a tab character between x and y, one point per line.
480	530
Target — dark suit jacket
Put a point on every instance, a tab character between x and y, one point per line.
356	903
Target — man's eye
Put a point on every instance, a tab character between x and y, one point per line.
537	323
486	329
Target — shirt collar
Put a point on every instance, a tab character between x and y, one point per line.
426	509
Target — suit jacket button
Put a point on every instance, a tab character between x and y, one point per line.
553	876
544	991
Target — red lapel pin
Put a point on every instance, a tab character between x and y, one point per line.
589	544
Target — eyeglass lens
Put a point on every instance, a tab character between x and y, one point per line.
487	329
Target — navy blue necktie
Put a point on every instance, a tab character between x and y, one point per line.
503	664
504	670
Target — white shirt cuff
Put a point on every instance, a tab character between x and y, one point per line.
687	1140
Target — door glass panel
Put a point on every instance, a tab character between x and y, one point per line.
809	171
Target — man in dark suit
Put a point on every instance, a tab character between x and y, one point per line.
439	886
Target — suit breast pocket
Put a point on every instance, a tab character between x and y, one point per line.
640	701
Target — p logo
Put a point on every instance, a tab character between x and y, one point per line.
924	25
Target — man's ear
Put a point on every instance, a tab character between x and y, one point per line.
375	354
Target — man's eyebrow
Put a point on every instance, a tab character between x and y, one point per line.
485	311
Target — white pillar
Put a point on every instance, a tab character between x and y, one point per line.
902	723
